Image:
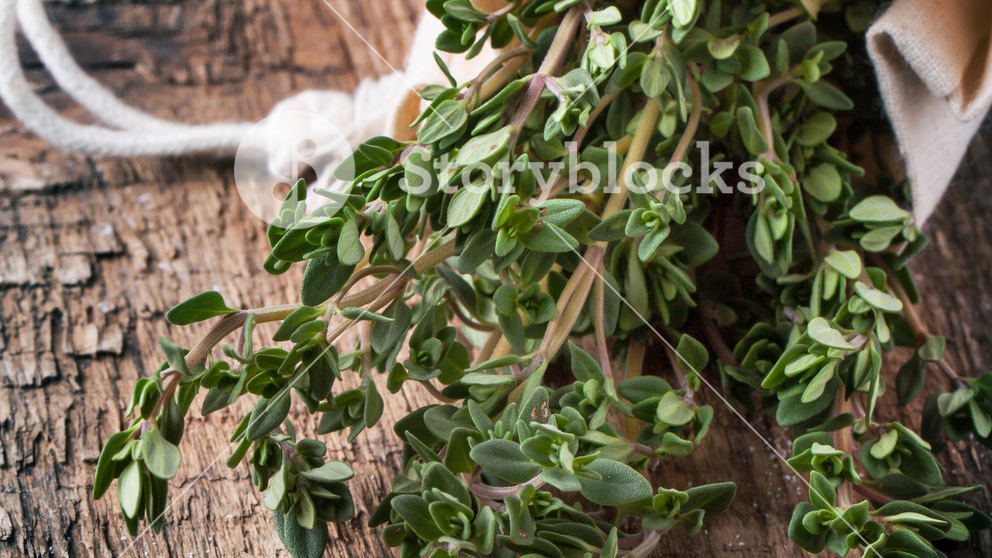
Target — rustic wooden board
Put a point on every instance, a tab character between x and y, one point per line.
93	251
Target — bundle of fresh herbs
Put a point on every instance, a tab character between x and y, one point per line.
578	190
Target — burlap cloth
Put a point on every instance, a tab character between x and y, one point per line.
932	58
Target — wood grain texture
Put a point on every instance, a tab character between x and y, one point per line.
94	251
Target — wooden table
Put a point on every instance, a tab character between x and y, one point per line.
94	250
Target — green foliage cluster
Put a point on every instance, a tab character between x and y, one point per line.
786	297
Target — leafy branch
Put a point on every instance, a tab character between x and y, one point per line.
480	259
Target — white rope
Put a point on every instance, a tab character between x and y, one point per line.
368	112
19	96
59	62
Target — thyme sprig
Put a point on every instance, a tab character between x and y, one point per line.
496	250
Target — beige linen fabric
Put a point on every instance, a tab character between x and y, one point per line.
932	58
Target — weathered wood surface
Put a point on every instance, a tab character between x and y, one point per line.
93	251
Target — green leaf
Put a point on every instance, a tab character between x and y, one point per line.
549	238
683	12
845	262
329	472
174	355
160	455
909	380
950	403
584	367
465	204
561	212
713	499
826	95
358	313
671	444
419	177
610	547
764	244
754	65
435	476
878	299
692	354
639	388
611	228
447	119
268	415
932	349
373	404
504	459
306	515
322	278
561	479
674	410
822	332
519	32
607	16
500	362
981	419
754	140
416	512
808	541
878	209
350	249
817	129
885	445
299	541
698	244
106	467
384	335
198	308
816	386
486	148
824	183
721	49
654	78
297	318
129	489
483	379
618	484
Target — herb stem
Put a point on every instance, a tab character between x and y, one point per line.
474	92
691	126
469	322
493	17
716	340
552	60
500	492
638	147
785	16
843	441
363	273
599	326
872	494
635	364
679	372
571	302
436	393
487	350
644	549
